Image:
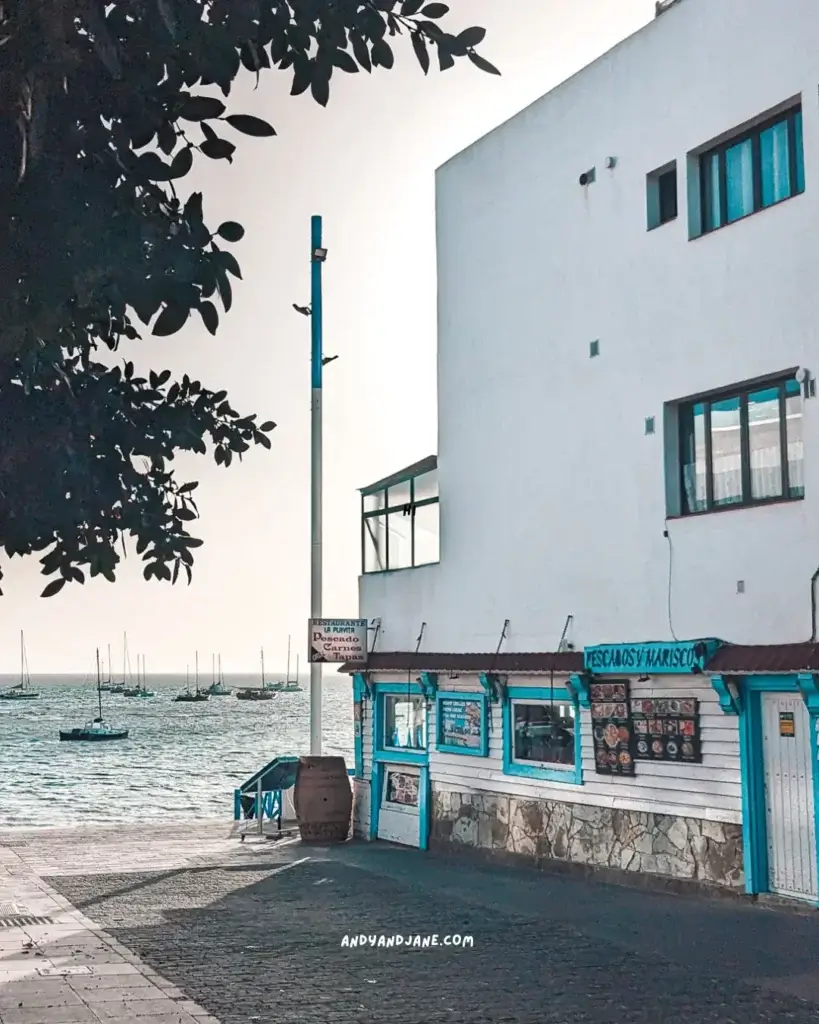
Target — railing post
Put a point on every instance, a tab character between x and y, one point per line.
237	804
259	808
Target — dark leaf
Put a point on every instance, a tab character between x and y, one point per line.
264	441
54	587
185	514
410	7
153	167
188	487
382	54
344	61
268	425
230	231
248	125
218	149
435	10
191	542
472	36
172	319
360	51
302	77
175	576
320	90
182	163
210	316
483	64
166	138
163	378
197	108
445	59
228	261
225	290
419	45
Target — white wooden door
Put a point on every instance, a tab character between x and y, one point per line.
399	814
790	816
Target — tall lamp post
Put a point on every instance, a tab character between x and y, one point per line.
317	257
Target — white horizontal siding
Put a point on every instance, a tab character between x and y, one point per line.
710	790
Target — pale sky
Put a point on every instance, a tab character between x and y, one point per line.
366	163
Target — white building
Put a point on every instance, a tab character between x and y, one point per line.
627	456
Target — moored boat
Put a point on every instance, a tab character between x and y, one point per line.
97	730
217	688
191	698
267	691
22	691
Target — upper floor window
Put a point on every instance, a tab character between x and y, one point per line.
661	196
752	171
741	447
400	519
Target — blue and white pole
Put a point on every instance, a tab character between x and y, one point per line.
317	256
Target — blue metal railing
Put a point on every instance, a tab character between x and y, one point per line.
260	802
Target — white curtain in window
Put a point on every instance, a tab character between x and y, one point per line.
739	180
776	172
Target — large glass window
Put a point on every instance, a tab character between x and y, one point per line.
543	734
405	722
760	168
742	448
400	524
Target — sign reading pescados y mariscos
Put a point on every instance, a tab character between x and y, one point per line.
654	657
337	640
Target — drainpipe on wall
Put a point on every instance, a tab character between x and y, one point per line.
813	624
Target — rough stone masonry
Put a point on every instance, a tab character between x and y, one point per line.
633	841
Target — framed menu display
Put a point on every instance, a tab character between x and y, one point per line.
612	728
667	729
462	724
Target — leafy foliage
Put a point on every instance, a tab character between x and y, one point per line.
100	117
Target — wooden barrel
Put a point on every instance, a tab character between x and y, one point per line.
323	798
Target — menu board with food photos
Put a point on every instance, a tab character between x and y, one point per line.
667	729
612	728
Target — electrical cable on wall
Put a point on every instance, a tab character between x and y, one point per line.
670	580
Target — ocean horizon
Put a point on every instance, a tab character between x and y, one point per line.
181	761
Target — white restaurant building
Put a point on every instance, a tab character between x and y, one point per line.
628	458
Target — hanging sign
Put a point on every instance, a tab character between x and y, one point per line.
612	728
667	729
787	724
650	658
337	640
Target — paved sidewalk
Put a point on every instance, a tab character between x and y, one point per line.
194	928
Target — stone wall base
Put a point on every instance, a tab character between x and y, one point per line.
631	846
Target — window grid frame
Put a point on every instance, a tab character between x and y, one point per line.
741	392
754	134
407	508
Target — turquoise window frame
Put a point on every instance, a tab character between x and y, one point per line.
567	777
483	700
747	706
396	755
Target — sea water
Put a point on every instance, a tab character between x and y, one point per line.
181	761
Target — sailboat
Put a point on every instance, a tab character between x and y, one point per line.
140	690
291	685
267	692
217	688
96	730
109	686
187	696
22	691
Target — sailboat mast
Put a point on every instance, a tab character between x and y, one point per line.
99	683
263	668
197	671
220	669
22	661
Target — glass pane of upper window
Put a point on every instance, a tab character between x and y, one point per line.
799	184
667	188
775	164
739	180
405	722
712	217
426	486
726	452
543	733
375	544
427	534
374	502
793	421
765	443
400	539
694	472
399	495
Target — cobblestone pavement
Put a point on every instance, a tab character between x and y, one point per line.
254	934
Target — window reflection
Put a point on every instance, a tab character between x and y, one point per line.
405	722
694	457
793	427
543	733
726	452
765	444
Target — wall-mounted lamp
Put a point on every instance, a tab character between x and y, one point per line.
644	679
319	255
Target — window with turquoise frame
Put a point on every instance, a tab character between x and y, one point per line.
403	722
742	447
541	735
753	170
462	723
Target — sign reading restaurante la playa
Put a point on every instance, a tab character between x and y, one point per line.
684	656
338	640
